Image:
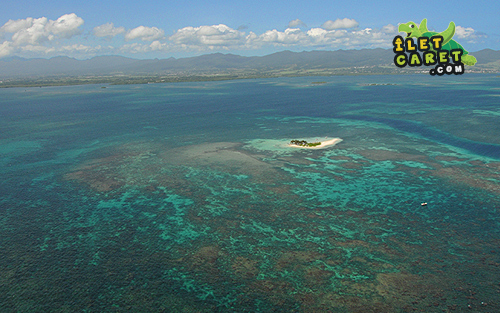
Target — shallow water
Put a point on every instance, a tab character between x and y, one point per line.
185	198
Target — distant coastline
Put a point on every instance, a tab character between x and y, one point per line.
116	70
139	80
45	81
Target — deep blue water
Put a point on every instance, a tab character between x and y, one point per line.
434	134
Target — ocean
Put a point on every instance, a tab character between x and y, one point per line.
186	197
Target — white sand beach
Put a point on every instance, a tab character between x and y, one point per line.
323	145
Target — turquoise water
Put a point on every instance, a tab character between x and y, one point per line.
185	197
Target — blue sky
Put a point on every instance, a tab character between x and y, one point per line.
148	29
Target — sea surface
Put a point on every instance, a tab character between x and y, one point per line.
186	198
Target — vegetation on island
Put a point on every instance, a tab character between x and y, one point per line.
303	143
378	84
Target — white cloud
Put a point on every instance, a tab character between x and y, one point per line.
41	36
80	48
14	26
317	32
137	48
5	49
290	36
158	46
32	35
296	23
74	50
37	49
145	33
340	24
223	37
322	38
209	37
389	29
468	34
464	32
133	48
108	30
32	31
66	26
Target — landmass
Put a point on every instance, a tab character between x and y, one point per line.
215	75
115	70
314	145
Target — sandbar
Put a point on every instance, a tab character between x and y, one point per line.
323	145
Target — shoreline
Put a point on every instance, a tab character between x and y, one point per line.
324	144
42	81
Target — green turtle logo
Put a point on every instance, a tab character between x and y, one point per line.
414	30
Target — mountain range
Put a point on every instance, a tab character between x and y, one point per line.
16	67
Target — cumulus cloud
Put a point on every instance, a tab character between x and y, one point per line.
31	34
290	36
107	30
31	31
145	33
158	46
5	49
322	38
35	33
340	24
209	37
66	26
225	38
36	36
296	23
468	34
464	32
14	26
138	48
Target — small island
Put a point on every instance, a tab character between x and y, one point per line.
314	145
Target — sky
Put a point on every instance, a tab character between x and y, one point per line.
153	29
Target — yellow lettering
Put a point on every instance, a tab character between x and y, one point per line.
423	43
410	46
437	41
398	43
